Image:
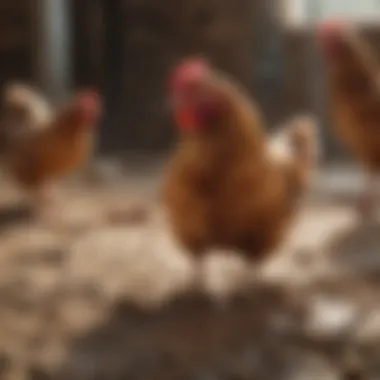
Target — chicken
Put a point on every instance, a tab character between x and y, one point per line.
228	186
24	110
353	83
43	157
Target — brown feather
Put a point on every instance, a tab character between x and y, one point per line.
225	189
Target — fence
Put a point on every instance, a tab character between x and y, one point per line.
126	48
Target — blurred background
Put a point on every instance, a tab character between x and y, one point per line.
81	298
126	48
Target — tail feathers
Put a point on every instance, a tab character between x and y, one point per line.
296	141
26	97
296	149
304	140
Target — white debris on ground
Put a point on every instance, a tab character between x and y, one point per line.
328	316
327	264
124	262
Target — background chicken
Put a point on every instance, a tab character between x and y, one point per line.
353	82
43	157
228	186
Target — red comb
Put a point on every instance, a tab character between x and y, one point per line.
88	98
189	69
89	105
331	28
192	66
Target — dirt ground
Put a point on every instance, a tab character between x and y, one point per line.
97	289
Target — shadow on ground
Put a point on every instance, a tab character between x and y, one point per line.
191	338
357	248
15	214
103	294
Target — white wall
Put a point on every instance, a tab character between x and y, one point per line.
299	12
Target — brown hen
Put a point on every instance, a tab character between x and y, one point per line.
45	156
228	186
353	82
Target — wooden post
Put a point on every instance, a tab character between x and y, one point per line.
52	50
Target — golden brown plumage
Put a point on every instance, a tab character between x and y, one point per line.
227	186
353	81
49	153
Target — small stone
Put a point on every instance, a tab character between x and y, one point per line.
329	317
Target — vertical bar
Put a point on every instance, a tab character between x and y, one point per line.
316	11
313	14
114	66
52	47
87	30
269	75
